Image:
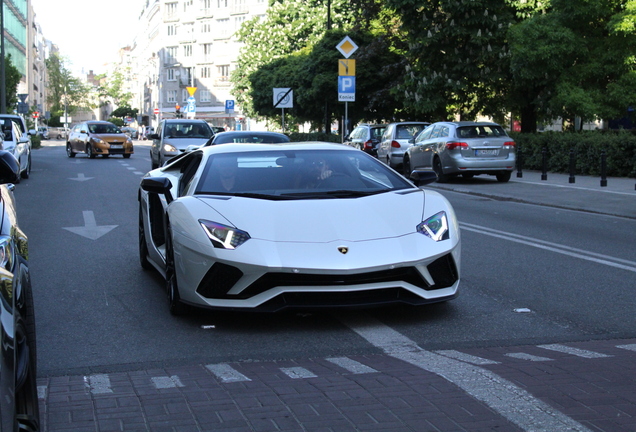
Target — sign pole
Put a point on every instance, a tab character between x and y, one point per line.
283	110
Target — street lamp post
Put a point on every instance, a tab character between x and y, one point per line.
3	85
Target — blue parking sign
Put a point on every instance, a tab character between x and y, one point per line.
229	105
347	88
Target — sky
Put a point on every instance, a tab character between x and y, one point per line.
89	33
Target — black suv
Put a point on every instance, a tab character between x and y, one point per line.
366	137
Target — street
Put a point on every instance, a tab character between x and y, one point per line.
542	336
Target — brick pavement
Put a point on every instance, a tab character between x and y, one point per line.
590	382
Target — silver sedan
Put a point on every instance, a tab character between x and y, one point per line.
462	148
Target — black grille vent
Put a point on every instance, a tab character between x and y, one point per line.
219	280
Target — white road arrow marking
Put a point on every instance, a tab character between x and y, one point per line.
90	229
80	177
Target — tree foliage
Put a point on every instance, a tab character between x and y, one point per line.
12	78
65	90
539	59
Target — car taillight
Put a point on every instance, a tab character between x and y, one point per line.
368	145
454	144
509	144
395	144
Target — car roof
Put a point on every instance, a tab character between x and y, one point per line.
304	145
468	123
182	120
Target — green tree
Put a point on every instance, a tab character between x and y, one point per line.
113	89
456	56
125	111
65	90
575	60
12	79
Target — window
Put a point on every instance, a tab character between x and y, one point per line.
172	30
221	4
204	72
205	96
206	7
206	26
223	26
207	52
187	4
238	22
171	55
185	95
171	76
188	29
187	50
223	72
172	95
171	10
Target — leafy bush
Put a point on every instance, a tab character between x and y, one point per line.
36	141
587	148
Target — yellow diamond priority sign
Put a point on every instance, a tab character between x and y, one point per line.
347	47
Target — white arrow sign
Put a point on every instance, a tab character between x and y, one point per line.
90	229
80	177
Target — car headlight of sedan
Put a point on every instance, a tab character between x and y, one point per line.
435	227
98	141
168	148
223	236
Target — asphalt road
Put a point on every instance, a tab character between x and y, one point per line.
532	274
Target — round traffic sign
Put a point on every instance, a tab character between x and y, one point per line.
156	110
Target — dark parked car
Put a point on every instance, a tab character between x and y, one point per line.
366	137
462	148
19	408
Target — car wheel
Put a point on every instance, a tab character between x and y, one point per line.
468	175
105	156
27	172
89	152
406	167
504	176
143	246
174	300
437	167
27	411
69	151
127	156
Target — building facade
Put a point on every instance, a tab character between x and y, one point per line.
183	55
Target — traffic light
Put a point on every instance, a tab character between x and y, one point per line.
177	111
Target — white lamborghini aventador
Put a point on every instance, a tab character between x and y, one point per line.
273	226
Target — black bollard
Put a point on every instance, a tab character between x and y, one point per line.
544	164
520	163
572	165
603	169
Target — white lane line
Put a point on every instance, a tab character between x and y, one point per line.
226	373
457	355
503	396
573	351
553	247
164	382
526	356
351	365
631	347
298	372
98	384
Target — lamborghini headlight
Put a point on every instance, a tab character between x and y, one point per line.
435	227
223	236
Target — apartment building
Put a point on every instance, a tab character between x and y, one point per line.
183	47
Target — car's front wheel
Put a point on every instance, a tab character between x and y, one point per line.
177	307
127	156
69	151
26	395
89	151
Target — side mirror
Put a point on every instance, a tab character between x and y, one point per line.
153	136
158	185
32	132
9	168
83	131
423	177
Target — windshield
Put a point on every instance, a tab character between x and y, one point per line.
249	137
298	174
187	130
104	129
